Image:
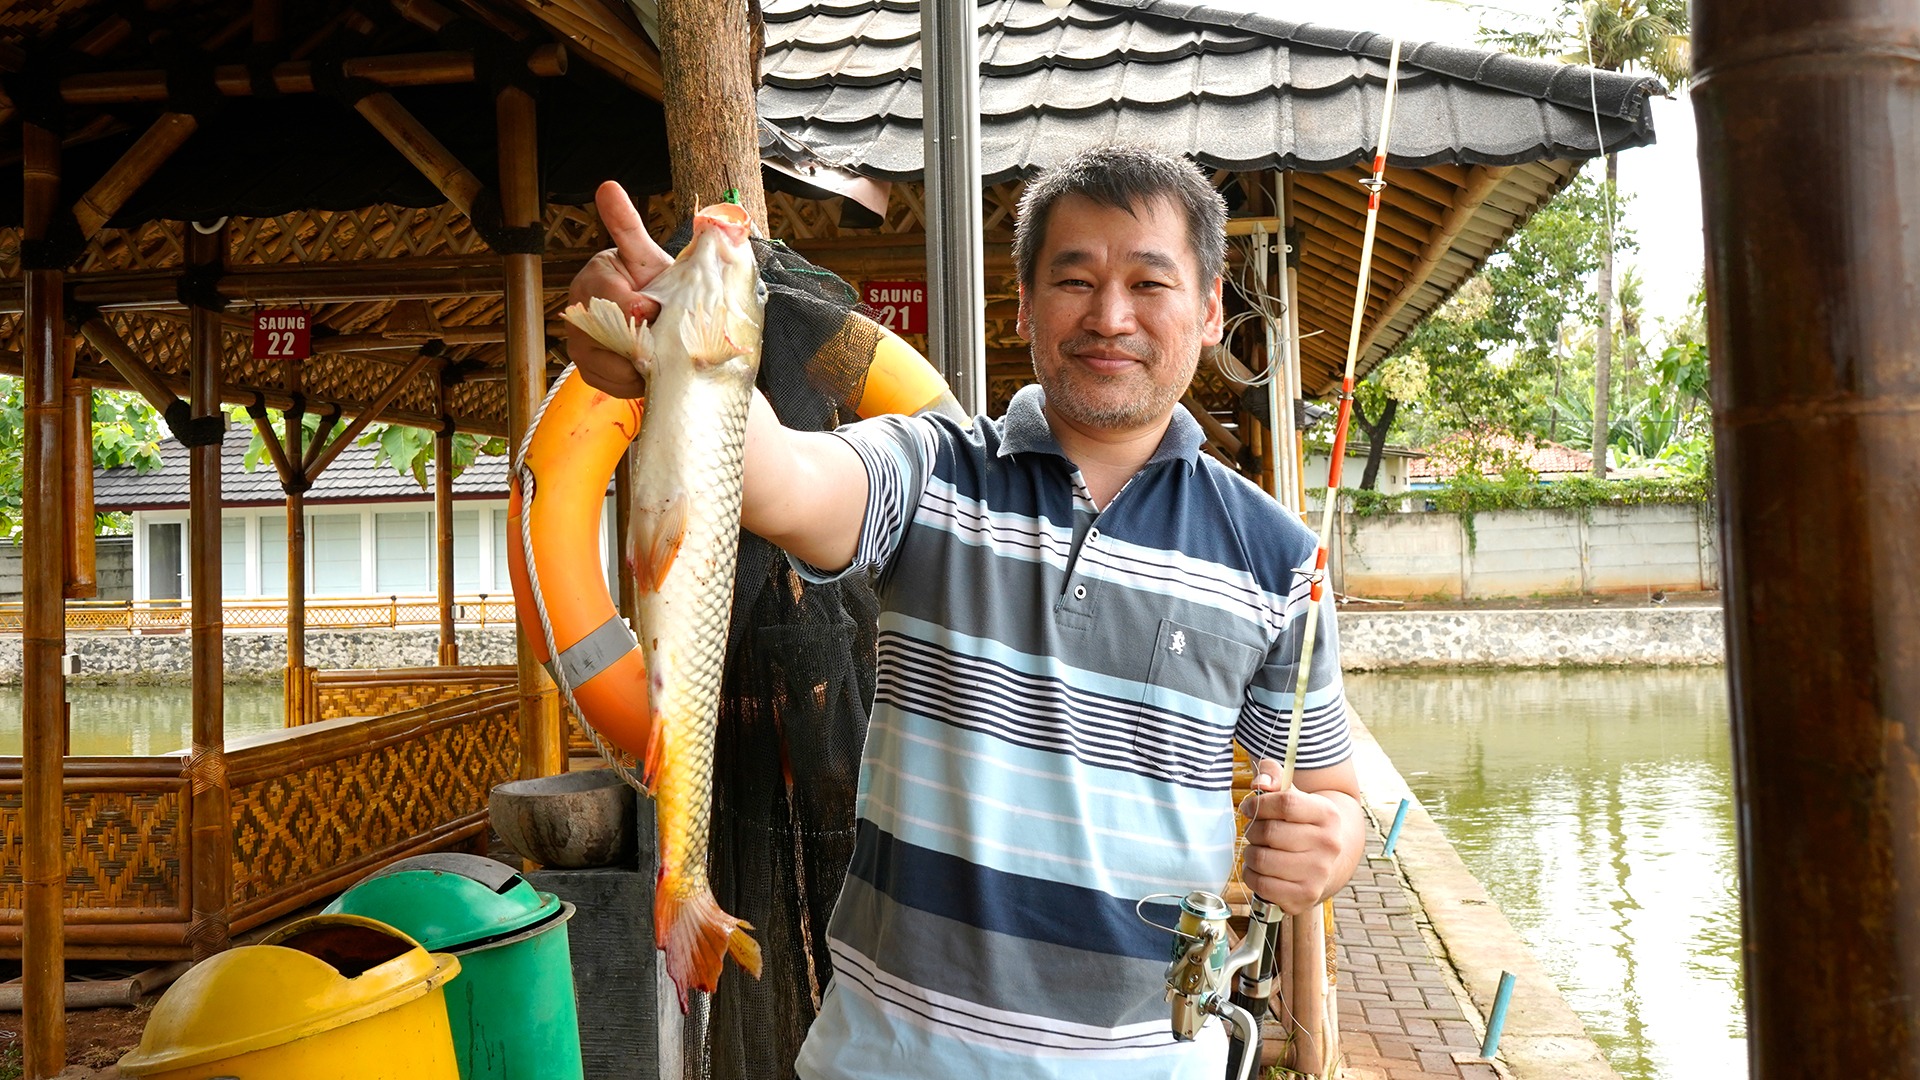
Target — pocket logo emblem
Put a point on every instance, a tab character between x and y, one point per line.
1177	644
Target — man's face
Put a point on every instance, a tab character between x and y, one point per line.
1117	314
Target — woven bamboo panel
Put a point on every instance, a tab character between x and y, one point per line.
369	232
153	245
124	850
337	698
316	809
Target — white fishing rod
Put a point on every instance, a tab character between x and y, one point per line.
1199	975
1376	186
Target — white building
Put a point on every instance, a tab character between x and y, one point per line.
1396	464
370	530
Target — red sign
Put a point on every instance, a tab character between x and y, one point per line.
901	306
282	334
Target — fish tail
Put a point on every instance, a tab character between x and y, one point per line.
698	937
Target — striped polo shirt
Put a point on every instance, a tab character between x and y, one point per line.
1058	692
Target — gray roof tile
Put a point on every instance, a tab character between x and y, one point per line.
1234	89
352	477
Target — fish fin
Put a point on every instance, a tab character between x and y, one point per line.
704	335
656	751
614	329
657	535
698	937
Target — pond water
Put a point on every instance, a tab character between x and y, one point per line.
1597	809
141	720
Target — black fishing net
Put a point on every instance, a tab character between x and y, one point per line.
793	717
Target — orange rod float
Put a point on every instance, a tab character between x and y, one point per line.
553	529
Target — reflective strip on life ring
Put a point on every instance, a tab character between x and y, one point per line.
554	505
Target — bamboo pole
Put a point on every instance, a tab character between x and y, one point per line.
328	421
366	416
542	749
296	76
394	279
276	451
418	145
43	721
296	685
76	451
121	357
1807	153
212	846
135	167
443	535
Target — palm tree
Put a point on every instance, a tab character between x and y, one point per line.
1613	35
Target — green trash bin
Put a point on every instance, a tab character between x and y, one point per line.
512	1006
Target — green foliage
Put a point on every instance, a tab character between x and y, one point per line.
126	432
408	449
1473	494
1617	35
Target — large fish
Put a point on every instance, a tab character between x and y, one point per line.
699	355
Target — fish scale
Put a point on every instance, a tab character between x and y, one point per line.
700	355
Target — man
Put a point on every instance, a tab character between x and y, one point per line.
1080	611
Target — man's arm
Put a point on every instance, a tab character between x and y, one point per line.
1304	843
804	491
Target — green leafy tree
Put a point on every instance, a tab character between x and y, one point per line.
1614	35
408	449
126	431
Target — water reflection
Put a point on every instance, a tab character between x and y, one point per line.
142	720
1597	809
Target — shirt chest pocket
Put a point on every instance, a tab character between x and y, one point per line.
1196	682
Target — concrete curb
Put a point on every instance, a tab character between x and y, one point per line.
1544	1038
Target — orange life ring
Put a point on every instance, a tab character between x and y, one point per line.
553	529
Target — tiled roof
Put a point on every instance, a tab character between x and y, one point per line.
352	477
1237	90
1544	458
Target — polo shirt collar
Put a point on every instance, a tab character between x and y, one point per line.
1025	430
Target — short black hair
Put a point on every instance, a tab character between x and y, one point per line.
1126	177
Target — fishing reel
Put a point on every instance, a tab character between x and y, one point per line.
1200	967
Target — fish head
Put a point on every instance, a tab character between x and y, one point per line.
715	281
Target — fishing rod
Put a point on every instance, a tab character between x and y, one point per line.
1201	966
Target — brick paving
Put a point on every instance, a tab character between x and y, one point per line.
1399	1018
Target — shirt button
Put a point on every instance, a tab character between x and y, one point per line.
1079	592
1093	534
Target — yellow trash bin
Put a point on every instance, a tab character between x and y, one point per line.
324	998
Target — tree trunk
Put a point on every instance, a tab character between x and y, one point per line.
713	135
1603	344
1377	434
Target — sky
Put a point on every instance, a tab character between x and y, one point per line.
1661	181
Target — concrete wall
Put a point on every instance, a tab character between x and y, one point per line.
113	568
1527	552
122	658
1594	637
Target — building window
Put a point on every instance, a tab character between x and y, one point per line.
402	543
163	560
333	549
502	580
233	556
466	552
273	555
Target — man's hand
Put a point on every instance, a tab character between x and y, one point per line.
1302	846
618	275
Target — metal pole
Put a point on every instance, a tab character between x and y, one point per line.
1280	388
949	93
1808	155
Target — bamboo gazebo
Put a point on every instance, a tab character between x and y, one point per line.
416	177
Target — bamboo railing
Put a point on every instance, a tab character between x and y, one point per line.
312	808
335	613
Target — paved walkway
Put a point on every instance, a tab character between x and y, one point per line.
1399	1016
